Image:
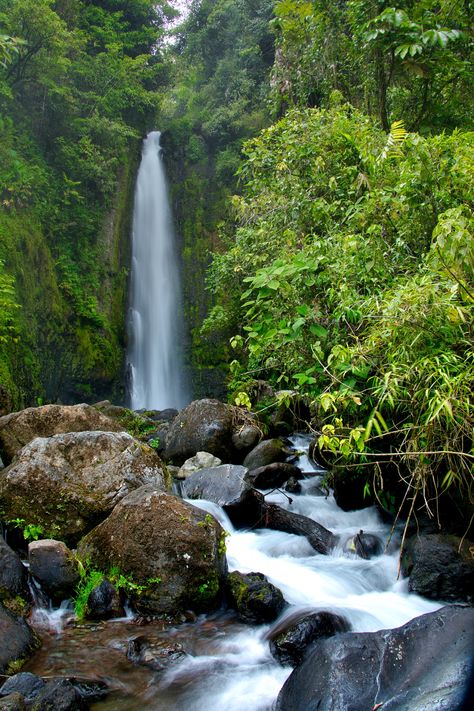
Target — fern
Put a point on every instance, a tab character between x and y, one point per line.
395	139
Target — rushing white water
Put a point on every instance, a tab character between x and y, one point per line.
155	362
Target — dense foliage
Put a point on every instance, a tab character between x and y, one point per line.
79	84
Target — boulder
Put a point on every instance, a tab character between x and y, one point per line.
201	460
349	491
60	695
206	426
13	574
440	567
271	476
256	600
104	602
19	428
291	639
18	641
267	452
246	437
77	478
27	684
224	485
173	551
155	654
422	666
54	567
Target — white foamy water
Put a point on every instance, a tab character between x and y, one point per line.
155	362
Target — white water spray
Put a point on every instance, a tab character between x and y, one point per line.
155	363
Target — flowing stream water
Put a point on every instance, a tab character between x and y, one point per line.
154	360
229	663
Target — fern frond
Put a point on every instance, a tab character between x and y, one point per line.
395	139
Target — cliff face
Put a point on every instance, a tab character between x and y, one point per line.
55	353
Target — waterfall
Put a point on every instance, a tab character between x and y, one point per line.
155	363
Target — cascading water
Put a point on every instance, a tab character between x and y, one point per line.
155	362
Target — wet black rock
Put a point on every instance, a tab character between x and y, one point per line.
272	476
27	684
12	572
291	640
293	486
422	666
256	600
55	567
440	567
154	654
104	602
364	545
18	641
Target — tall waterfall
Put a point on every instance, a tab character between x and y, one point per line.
155	363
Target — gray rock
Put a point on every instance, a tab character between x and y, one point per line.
422	666
271	476
77	478
201	460
246	437
55	568
224	485
175	551
205	426
18	640
267	452
19	428
364	545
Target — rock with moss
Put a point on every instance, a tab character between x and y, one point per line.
155	654
12	573
256	599
77	479
209	426
18	642
20	428
171	553
13	702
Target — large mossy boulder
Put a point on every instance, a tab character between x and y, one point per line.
20	428
423	666
68	483
173	552
210	426
440	567
17	641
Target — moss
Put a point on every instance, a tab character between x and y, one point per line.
16	605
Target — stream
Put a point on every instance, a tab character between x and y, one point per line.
229	663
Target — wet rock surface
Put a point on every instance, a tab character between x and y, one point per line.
291	640
153	654
12	572
272	476
18	640
422	666
55	568
256	599
266	452
104	602
27	684
224	485
77	478
440	567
